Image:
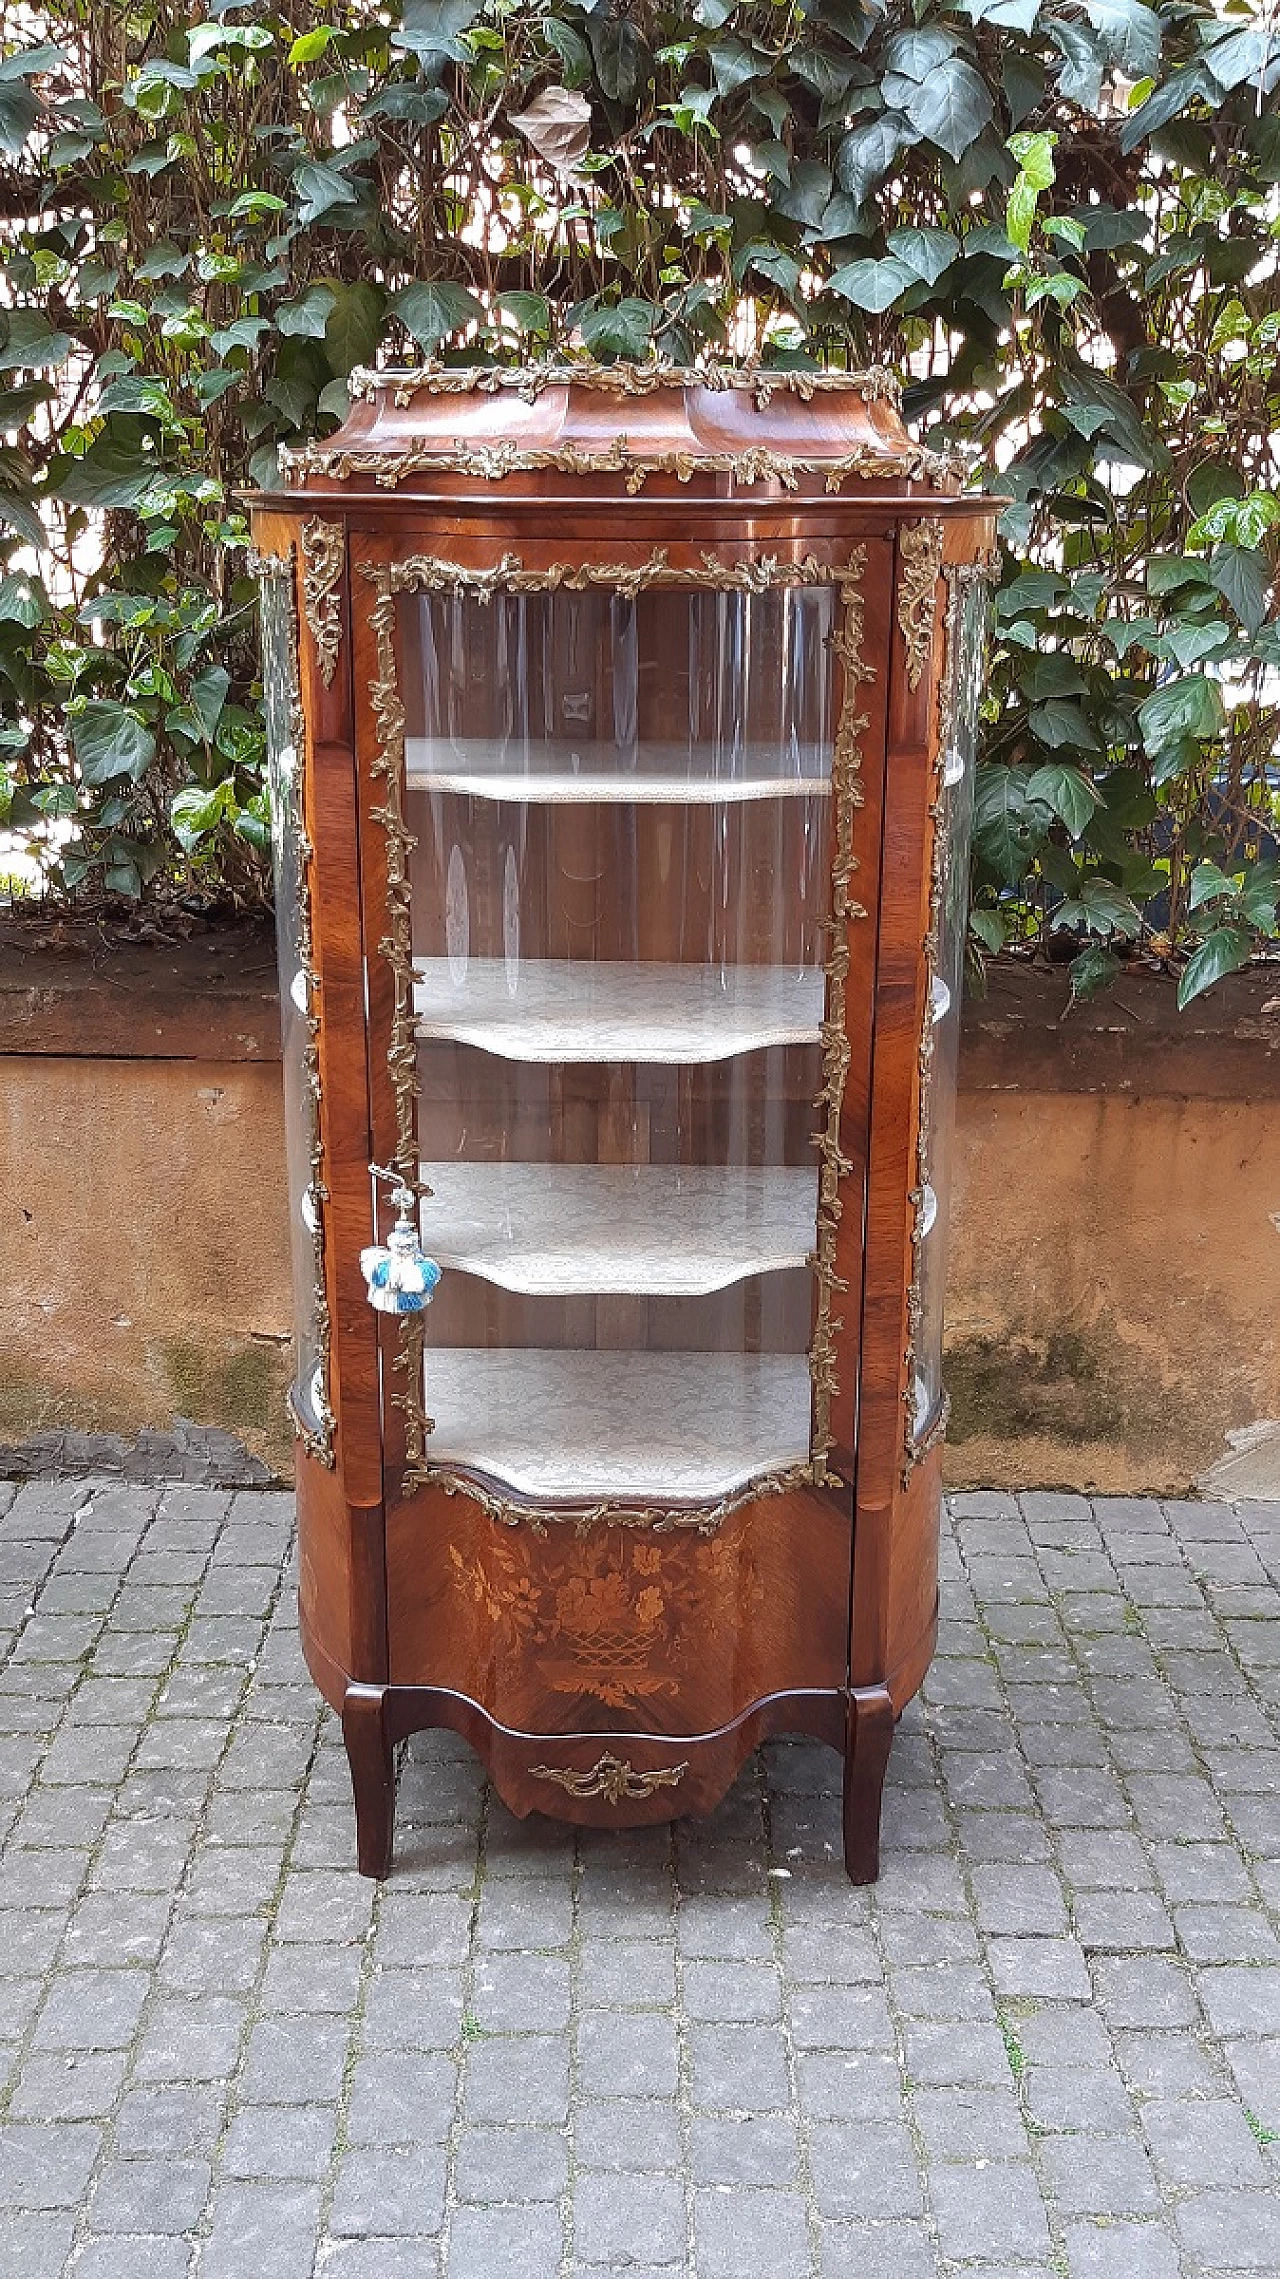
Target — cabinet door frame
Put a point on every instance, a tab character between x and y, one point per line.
422	556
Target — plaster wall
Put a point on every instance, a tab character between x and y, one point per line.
1113	1268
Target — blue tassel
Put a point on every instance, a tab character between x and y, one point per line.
401	1278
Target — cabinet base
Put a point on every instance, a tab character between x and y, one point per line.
614	1780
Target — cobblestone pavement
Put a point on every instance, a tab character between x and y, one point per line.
1048	2043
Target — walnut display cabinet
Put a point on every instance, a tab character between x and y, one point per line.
621	736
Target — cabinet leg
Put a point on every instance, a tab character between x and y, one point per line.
369	1754
866	1757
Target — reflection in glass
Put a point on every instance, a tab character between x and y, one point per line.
284	766
955	823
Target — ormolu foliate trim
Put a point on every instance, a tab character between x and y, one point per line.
920	559
493	462
429	573
324	559
611	1778
877	384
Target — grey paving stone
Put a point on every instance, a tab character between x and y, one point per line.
521	1993
731	1992
969	2124
1256	2069
1144	1991
1121	1922
1120	2251
68	2085
622	1974
173	2121
522	2077
752	2149
1093	2100
635	2134
280	2141
1241	1999
956	2056
267	2229
865	2169
740	2234
515	2164
389	2194
92	2010
46	2165
990	2212
485	2241
1101	2176
133	2259
876	2251
149	2196
1229	2231
738	2069
621	2218
1043	1969
630	2055
1168	2065
1203	2143
294	2061
403	2098
412	2009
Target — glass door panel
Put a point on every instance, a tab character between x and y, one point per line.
966	638
620	893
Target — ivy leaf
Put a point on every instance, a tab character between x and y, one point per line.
1208	884
320	190
1068	792
531	311
110	741
1130	34
1008	828
1058	722
429	312
31	344
867	152
872	285
208	696
927	253
951	107
558	126
1094	969
1223	951
1242	575
622	59
1190	708
1083	58
624	328
111	473
307	318
989	927
430	30
353	326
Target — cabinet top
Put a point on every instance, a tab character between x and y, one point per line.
557	430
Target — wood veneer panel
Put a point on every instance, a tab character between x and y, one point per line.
618	1627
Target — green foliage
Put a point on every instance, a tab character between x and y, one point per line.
1058	218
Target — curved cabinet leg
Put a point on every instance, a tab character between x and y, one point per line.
866	1758
368	1738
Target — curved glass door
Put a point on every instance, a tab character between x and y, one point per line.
620	893
966	640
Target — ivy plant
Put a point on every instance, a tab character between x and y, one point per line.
1057	218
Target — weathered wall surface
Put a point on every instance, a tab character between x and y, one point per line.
143	1218
1115	1245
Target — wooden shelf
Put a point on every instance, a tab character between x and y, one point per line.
653	1229
551	1009
652	775
577	1425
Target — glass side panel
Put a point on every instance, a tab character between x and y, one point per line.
620	891
964	688
284	766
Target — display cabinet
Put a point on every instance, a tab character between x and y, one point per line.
621	740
